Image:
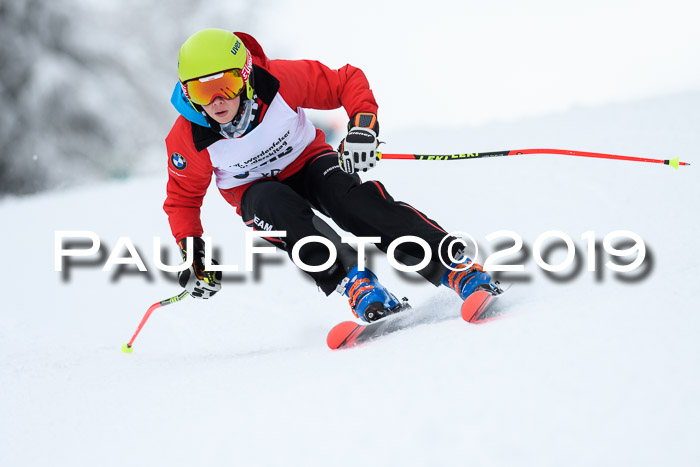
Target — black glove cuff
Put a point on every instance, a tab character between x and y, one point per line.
197	247
364	120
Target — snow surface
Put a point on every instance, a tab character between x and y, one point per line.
589	370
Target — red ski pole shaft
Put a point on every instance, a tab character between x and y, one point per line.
516	152
127	348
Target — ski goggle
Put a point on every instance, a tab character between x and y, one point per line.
227	84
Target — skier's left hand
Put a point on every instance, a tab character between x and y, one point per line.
358	151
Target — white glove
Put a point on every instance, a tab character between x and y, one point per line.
358	151
196	280
203	285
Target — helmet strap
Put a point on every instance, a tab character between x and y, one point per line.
249	85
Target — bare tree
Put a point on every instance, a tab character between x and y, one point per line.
85	86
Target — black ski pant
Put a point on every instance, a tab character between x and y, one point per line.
363	209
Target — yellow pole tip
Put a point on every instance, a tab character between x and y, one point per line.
126	348
673	163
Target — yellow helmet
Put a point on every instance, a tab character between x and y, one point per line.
211	51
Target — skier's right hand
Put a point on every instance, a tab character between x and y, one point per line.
198	282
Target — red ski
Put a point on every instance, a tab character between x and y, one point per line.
350	333
477	308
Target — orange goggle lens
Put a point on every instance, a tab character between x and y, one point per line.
227	84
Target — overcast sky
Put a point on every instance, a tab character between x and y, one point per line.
457	62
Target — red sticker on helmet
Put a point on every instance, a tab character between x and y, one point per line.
184	90
245	72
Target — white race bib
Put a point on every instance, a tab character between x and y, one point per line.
275	143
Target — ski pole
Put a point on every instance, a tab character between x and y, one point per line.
516	152
128	347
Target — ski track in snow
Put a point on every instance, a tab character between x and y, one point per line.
581	372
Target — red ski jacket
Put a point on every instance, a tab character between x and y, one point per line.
282	141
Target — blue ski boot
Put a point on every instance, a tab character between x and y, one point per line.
369	300
466	280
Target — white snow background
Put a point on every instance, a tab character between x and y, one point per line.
588	370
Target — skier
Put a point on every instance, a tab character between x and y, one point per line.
242	120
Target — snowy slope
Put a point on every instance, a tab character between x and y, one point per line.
591	370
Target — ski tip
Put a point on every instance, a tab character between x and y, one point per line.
475	305
338	336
